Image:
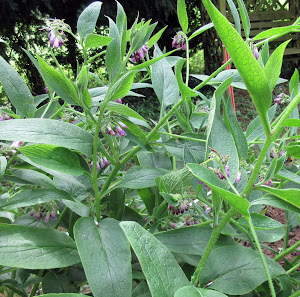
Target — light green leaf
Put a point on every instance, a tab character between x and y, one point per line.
88	18
31	197
280	31
33	248
16	90
273	66
292	123
250	70
48	132
197	292
63	295
182	15
121	22
237	270
105	255
156	37
62	86
3	163
141	177
53	157
244	17
289	195
164	275
201	30
209	178
286	174
95	40
123	110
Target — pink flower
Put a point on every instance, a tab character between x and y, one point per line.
173	225
16	144
53	215
179	41
120	131
227	170
139	55
106	162
123	125
47	217
56	39
110	131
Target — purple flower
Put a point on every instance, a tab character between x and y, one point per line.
32	213
118	100
238	177
120	131
256	53
97	165
106	162
170	207
268	182
227	170
16	144
277	101
110	131
139	55
47	217
53	215
179	41
123	125
101	163
1	118
172	225
202	183
281	153
46	90
38	215
56	39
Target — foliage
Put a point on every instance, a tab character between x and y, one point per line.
103	199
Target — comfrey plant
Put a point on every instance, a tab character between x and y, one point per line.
100	201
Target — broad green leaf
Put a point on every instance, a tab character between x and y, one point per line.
182	15
57	283
209	178
105	255
141	177
87	20
188	156
190	240
279	31
289	195
273	66
201	30
197	292
34	248
164	81
31	221
244	17
31	197
53	157
121	87
286	174
113	51
148	198
3	163
123	110
16	90
237	270
63	295
62	86
164	275
95	40
293	150
48	132
261	222
292	123
158	159
250	70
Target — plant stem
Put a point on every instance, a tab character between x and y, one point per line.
293	268
187	61
287	251
181	137
59	110
36	286
213	239
263	259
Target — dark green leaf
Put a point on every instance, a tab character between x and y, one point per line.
116	204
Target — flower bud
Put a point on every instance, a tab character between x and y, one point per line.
110	131
47	217
53	215
238	177
106	162
256	53
120	131
179	41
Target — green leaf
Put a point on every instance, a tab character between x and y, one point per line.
273	66
31	197
286	174
250	70
87	20
123	110
261	222
294	83
116	204
182	15
156	37
197	292
293	149
16	90
48	132
280	31
53	157
121	22
148	198
289	195
33	248
141	177
292	123
95	40
201	30
237	270
244	17
62	295
3	163
57	283
164	81
105	256
164	275
62	86
191	240
235	15
209	178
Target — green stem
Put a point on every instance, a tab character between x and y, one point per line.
173	157
36	286
263	259
187	61
287	251
293	268
47	108
111	145
61	216
181	137
295	260
96	56
59	110
213	239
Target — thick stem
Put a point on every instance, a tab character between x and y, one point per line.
287	251
213	239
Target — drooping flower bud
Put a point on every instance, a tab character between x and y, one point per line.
227	170
53	215
255	53
110	131
172	225
139	55
179	41
118	100
38	215
120	131
47	217
278	99
238	177
32	213
102	163
106	162
47	90
123	125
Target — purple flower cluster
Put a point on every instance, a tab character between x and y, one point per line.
139	55
39	215
179	41
120	132
56	38
103	162
268	182
176	210
278	99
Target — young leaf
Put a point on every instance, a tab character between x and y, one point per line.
48	132
105	256
201	30
62	86
53	157
121	23
182	15
16	90
250	70
278	32
33	248
31	197
273	66
164	275
244	17
88	18
208	177
95	40
156	37
294	83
